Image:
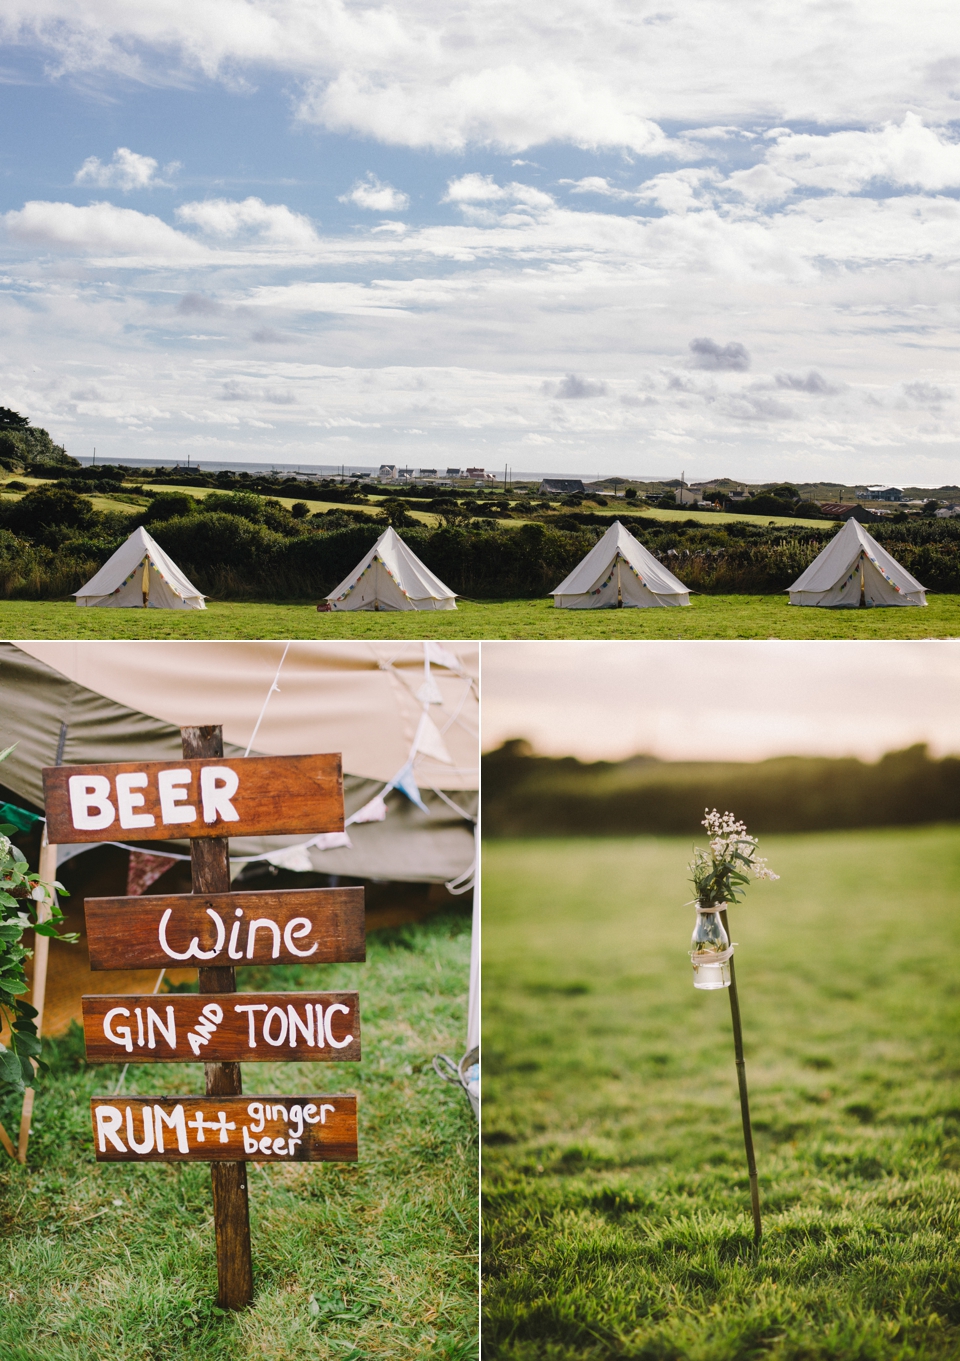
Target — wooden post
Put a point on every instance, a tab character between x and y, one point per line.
210	865
41	958
744	1099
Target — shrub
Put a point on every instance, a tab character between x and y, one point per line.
170	505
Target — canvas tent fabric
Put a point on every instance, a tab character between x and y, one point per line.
619	568
851	565
38	700
392	577
140	575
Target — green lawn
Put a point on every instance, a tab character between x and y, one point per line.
731	616
352	1262
616	1209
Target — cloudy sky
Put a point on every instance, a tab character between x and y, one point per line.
742	701
633	236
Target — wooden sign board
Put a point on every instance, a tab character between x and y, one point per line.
225	1128
230	1027
288	926
160	800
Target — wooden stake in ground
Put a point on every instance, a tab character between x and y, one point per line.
210	865
744	1098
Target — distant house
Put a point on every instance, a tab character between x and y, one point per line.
839	510
686	496
454	472
947	512
880	493
561	486
388	472
475	472
427	472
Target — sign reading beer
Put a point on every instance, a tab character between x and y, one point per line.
286	926
160	800
225	1128
234	1027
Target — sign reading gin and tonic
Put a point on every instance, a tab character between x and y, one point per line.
161	800
235	1027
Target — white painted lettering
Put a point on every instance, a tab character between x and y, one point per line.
278	1112
306	1028
265	1143
232	950
250	1144
210	1017
176	1120
108	1122
147	1145
337	1044
310	1119
118	1034
292	1143
218	784
323	1113
275	1011
168	1031
304	927
90	792
139	1015
127	801
255	1112
251	1007
279	1145
320	1037
254	926
295	1114
172	786
193	950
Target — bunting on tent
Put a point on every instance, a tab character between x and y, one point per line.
853	571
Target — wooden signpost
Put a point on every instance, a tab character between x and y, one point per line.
207	799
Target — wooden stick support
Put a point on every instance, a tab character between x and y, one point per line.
210	864
744	1098
41	959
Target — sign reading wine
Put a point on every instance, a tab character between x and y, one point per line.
207	799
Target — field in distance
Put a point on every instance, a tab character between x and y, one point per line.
719	616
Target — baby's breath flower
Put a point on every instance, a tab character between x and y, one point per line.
720	874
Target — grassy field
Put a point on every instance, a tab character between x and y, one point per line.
352	1262
616	1209
730	616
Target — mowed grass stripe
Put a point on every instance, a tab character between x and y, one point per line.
616	1210
729	616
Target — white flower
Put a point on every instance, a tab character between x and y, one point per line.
4	846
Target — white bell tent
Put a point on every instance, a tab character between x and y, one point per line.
140	576
392	577
854	570
617	571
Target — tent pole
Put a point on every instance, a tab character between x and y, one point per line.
41	958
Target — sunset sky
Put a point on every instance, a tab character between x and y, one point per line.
618	236
722	701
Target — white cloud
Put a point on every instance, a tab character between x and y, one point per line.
372	193
100	227
582	72
473	192
708	354
127	171
273	223
909	154
677	191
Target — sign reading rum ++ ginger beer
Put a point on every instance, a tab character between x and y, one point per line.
225	1128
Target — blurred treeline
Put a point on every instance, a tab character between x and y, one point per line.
529	795
247	546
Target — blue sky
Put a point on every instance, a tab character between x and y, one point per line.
606	237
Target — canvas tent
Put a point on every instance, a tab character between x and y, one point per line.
392	577
619	571
404	715
855	570
140	576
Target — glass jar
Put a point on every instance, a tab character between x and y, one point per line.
710	950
